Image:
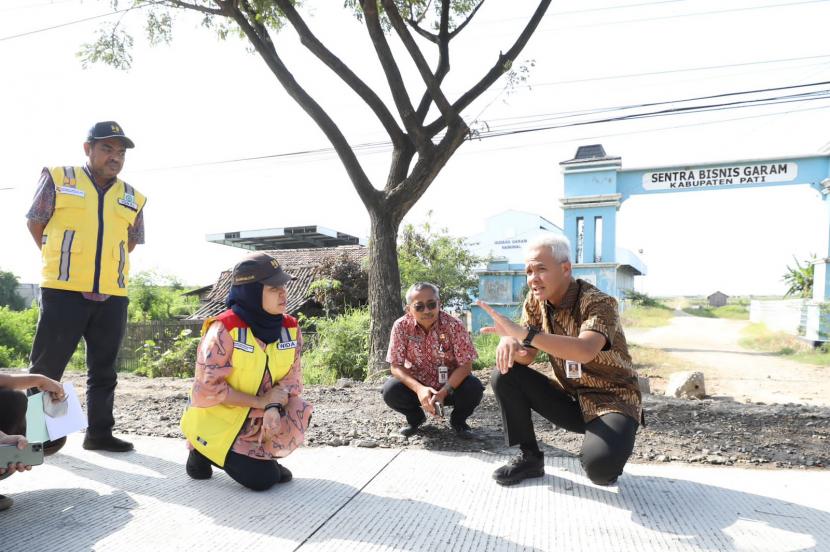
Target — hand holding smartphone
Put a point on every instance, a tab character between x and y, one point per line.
30	455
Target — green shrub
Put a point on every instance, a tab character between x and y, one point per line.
732	311
8	358
17	330
485	345
641	299
178	361
703	312
342	348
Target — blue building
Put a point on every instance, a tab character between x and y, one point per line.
595	187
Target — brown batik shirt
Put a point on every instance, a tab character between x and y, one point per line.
609	381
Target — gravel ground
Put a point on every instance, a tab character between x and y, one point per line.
710	431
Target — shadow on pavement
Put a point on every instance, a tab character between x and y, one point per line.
63	519
303	508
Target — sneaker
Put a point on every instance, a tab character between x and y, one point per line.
409	429
197	466
522	466
5	502
463	431
107	442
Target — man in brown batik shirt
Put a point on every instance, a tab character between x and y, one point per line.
593	388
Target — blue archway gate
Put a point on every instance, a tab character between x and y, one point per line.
596	186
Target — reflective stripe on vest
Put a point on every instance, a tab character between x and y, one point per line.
213	430
71	249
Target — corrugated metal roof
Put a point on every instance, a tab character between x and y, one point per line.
300	263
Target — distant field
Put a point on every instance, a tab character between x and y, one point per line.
760	338
646	317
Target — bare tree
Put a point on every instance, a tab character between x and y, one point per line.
420	146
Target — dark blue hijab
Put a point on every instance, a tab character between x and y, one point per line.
245	301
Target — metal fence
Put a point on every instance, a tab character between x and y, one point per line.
161	332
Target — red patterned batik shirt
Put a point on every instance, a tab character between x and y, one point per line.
422	352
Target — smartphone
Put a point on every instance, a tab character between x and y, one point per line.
30	455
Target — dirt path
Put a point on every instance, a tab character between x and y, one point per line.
710	345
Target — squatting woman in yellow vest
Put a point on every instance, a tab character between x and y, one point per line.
245	408
86	221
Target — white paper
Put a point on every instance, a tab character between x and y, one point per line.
74	419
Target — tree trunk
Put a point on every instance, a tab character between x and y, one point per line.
384	287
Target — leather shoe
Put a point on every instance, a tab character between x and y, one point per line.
285	473
522	466
409	429
5	502
107	442
51	447
463	431
197	466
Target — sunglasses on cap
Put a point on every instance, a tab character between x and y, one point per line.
429	305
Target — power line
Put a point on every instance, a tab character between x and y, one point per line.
75	22
657	129
592	111
670	71
372	147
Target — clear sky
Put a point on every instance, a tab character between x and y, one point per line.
201	100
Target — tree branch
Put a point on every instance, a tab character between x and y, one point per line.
421	31
501	66
194	7
313	44
390	69
460	28
409	191
418	57
261	40
443	41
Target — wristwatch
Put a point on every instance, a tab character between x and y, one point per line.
531	333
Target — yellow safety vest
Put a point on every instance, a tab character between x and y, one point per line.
213	430
85	243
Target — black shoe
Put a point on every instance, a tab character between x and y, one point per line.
285	473
409	429
51	447
463	431
197	466
107	442
522	466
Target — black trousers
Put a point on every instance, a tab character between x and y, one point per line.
65	318
402	399
609	439
257	475
13	406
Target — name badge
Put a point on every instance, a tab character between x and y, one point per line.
442	374
71	191
573	369
243	346
128	201
287	345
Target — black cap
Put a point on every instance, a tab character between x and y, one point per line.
262	268
108	129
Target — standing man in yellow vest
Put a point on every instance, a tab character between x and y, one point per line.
86	221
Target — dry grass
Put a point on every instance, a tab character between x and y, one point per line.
657	365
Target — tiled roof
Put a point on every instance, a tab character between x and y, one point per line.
300	263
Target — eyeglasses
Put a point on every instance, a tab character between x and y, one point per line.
429	305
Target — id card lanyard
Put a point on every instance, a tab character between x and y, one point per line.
573	369
443	370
